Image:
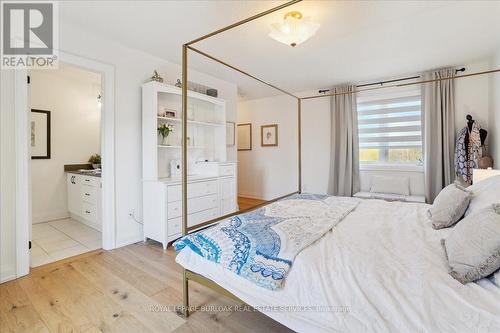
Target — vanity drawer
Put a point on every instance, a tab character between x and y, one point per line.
89	181
194	205
226	170
88	194
89	212
174	193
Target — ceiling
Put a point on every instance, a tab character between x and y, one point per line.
358	41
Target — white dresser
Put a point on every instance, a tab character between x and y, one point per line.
209	196
84	199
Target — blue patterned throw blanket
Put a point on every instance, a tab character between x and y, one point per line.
261	245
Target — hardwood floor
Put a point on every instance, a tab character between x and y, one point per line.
245	203
130	289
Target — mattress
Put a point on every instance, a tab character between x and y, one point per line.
381	269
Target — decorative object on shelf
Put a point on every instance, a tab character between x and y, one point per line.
212	92
95	160
40	134
156	77
244	137
170	114
230	134
269	135
164	130
178	84
294	30
175	168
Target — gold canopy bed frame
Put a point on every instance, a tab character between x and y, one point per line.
189	275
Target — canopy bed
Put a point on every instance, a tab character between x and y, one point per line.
404	286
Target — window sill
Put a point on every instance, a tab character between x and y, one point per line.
391	167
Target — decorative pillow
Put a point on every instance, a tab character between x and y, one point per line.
449	206
484	194
473	248
393	185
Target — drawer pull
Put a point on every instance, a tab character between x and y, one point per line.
87	194
87	180
88	212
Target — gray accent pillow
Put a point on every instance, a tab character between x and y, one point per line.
473	247
449	206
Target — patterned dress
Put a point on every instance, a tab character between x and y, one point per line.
467	157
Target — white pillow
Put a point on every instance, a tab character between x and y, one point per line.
484	194
393	185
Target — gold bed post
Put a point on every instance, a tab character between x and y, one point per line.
299	134
185	282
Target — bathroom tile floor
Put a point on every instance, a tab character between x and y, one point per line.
59	239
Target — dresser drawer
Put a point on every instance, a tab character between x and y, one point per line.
200	217
226	170
194	205
88	194
174	193
174	226
89	212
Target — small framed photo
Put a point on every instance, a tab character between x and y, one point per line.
269	135
40	134
230	134
244	137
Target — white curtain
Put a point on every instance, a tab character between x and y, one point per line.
439	131
344	156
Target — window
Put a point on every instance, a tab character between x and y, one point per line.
390	128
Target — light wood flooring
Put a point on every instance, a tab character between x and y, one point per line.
114	291
246	203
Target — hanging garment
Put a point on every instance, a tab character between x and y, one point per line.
467	157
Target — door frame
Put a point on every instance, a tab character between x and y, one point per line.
23	156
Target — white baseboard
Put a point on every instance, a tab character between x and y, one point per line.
82	220
51	216
128	241
258	196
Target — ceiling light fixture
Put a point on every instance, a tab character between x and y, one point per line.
294	30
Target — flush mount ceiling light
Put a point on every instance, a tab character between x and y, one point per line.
294	30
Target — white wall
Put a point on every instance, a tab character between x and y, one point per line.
471	97
70	94
273	170
494	114
132	68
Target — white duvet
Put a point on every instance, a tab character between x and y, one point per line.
383	267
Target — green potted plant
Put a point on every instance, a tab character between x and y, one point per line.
95	160
164	130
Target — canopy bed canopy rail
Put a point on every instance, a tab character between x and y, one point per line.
189	275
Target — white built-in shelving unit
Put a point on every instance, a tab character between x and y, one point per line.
211	178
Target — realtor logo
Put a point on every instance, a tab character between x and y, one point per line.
29	34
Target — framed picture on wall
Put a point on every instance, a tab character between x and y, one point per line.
40	134
244	137
230	134
269	135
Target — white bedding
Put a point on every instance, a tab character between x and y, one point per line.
384	262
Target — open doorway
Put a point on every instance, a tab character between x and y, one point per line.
65	140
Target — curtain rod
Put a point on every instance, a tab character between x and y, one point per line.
323	91
404	84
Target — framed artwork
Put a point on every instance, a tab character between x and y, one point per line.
269	135
40	134
244	136
230	133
